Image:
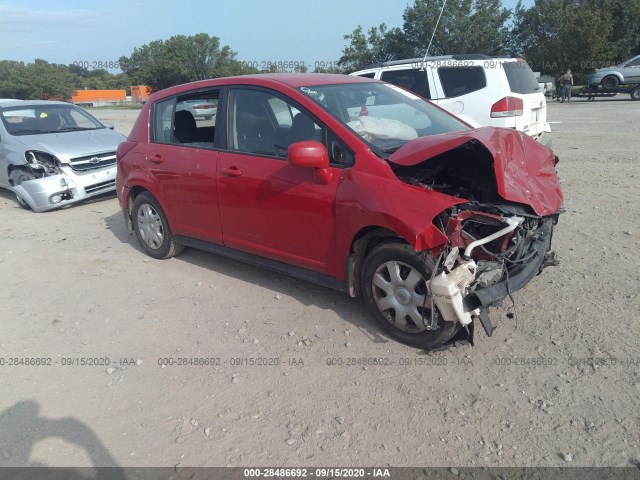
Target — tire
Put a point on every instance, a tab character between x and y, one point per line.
16	178
152	229
610	81
635	93
410	269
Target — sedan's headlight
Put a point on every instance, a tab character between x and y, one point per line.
42	162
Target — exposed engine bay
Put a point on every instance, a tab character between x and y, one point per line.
494	246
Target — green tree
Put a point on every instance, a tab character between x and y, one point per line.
378	45
180	59
466	26
555	35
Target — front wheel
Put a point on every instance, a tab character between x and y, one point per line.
394	279
610	82
635	93
16	178
152	229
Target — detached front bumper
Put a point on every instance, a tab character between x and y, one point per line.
55	191
460	295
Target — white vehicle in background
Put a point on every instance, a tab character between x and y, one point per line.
481	90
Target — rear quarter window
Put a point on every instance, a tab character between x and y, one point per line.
458	81
520	77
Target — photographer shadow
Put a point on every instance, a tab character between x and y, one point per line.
22	427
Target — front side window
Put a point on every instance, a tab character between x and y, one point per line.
458	81
634	63
384	115
412	79
265	124
45	119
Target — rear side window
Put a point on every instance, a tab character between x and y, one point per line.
413	80
520	77
162	121
458	81
368	75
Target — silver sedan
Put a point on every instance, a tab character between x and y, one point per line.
53	153
610	77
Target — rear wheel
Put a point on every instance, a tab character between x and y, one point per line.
394	279
635	93
610	82
152	229
16	178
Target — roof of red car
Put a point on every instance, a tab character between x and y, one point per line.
293	80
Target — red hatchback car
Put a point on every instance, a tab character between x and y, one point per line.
351	183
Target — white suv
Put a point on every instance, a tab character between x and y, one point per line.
481	90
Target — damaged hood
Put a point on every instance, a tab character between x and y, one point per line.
67	145
525	169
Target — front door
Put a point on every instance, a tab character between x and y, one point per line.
267	206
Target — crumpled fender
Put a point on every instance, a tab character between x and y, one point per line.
525	169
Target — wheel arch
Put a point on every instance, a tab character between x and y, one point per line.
364	241
132	194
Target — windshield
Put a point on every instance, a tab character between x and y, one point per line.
42	119
384	115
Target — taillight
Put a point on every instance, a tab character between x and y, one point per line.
507	107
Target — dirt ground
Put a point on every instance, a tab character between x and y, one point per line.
557	385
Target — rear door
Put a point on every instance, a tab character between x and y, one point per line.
182	159
462	90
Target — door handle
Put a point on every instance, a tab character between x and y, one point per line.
231	171
156	158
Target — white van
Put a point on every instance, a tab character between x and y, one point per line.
481	90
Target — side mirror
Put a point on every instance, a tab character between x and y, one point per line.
311	154
109	125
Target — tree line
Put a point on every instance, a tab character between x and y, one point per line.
552	35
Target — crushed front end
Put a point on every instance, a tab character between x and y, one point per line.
46	182
499	233
490	255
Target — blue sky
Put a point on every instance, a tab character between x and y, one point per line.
68	31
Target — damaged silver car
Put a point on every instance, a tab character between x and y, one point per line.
54	154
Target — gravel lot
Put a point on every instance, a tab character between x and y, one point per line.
557	385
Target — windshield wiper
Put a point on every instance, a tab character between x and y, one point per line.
28	131
72	129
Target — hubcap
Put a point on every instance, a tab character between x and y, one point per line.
399	291
150	226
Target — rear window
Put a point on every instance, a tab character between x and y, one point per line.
458	81
520	77
413	80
